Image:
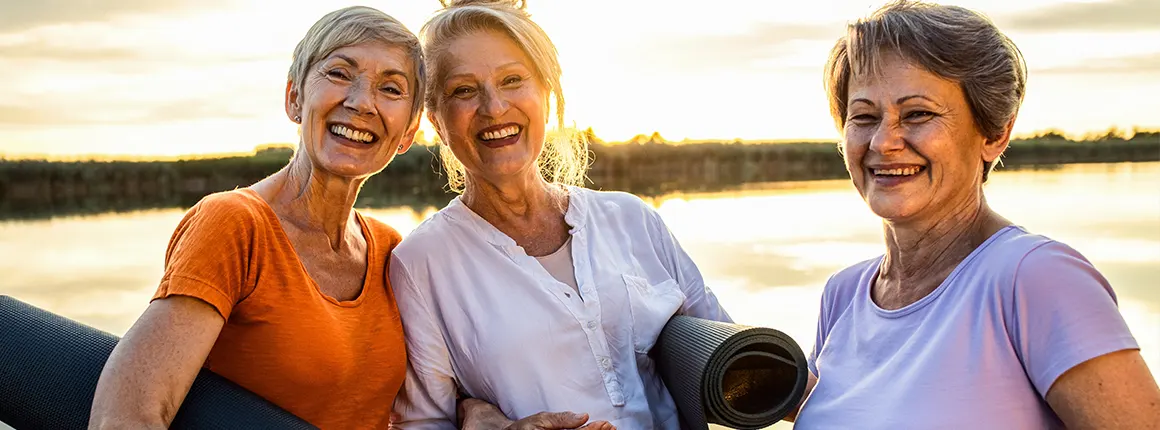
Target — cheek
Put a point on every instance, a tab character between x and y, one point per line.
455	116
395	113
459	112
854	145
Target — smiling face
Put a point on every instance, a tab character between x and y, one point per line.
911	145
355	109
492	106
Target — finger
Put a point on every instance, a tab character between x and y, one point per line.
598	425
558	420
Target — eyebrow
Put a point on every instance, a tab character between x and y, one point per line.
903	99
388	72
899	101
471	75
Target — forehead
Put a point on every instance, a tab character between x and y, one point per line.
481	51
899	77
375	56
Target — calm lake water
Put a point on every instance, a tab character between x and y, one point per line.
765	249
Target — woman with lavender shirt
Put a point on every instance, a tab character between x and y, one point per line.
967	321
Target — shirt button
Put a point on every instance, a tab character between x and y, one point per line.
591	325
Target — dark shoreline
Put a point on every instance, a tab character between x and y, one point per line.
37	189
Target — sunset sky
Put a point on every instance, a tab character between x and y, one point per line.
170	77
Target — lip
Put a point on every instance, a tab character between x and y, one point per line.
893	181
499	143
352	143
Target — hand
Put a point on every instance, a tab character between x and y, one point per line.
475	414
558	421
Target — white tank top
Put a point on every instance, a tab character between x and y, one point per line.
559	265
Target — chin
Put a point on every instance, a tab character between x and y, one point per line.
891	208
348	169
508	167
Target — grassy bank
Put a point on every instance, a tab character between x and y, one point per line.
39	188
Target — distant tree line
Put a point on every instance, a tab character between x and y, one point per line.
644	165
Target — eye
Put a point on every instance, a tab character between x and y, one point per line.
391	89
463	91
920	115
337	74
511	80
863	119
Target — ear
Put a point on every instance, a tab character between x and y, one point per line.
292	107
993	148
408	138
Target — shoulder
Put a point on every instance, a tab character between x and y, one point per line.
610	200
234	212
430	237
239	203
1018	259
843	284
606	206
1046	255
1054	268
1013	245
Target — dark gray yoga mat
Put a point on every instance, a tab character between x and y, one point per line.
733	375
49	366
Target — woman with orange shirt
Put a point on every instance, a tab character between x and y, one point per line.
282	287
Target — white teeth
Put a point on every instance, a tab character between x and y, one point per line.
358	136
501	133
907	171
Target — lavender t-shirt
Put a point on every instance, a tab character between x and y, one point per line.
979	352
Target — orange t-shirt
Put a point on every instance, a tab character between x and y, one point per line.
335	364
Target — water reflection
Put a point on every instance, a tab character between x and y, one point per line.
766	249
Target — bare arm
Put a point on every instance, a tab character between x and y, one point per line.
1112	391
151	369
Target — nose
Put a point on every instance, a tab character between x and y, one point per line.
360	98
494	104
887	138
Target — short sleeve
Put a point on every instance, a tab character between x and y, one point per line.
209	254
700	301
825	318
428	397
1064	313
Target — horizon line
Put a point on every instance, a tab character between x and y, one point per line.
1089	136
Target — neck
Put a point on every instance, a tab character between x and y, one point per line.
516	203
924	250
314	200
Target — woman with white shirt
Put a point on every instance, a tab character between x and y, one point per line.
528	291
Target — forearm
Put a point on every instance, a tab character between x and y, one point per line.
125	422
117	405
149	373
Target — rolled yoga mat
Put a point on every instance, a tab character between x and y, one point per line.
49	366
736	376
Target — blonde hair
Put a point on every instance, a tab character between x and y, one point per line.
564	158
950	41
352	26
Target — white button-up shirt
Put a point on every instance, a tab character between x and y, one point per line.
484	318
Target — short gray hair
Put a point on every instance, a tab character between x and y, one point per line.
950	41
564	158
352	26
